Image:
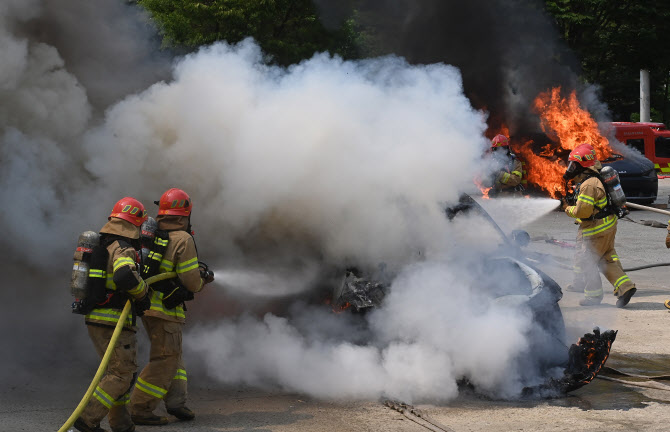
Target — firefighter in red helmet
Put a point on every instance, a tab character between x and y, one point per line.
509	174
597	231
114	264
164	377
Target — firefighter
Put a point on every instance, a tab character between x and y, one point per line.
597	230
164	377
122	281
508	178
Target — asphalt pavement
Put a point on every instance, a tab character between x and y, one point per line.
41	400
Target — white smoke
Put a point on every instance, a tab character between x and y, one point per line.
329	161
433	330
352	156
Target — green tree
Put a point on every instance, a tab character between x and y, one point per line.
287	30
614	40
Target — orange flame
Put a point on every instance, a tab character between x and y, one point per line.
569	125
590	361
573	125
341	308
485	190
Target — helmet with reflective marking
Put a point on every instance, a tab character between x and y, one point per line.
129	209
499	140
583	154
175	202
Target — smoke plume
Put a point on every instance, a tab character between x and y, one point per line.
507	51
322	165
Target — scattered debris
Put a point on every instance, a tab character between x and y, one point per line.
586	359
552	240
358	293
417	416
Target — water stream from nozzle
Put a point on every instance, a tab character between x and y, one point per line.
264	282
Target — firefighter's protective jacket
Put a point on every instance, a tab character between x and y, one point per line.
591	199
180	257
510	176
121	276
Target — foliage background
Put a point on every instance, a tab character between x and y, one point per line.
611	40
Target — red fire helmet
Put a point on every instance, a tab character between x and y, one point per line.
499	140
584	155
129	209
175	202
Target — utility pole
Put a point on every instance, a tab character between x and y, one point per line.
645	106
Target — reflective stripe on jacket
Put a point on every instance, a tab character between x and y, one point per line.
182	258
591	200
510	177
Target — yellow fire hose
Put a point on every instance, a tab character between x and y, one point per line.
108	354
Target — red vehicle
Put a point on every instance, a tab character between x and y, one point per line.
651	139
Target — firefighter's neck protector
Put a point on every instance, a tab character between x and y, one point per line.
172	222
121	228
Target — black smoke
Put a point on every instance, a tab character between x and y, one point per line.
508	51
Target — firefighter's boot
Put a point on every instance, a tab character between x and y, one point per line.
573	288
590	301
152	420
182	413
81	426
625	298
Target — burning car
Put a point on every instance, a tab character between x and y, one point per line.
639	179
565	124
526	287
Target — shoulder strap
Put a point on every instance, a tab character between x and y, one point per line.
96	284
124	244
155	256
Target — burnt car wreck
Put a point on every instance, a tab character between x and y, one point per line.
566	367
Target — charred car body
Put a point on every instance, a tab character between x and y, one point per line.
525	287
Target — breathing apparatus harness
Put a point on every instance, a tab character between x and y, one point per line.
174	292
97	295
610	187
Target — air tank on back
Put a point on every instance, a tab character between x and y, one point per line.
147	234
82	260
611	179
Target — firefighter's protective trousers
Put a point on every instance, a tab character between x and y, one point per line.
164	377
112	394
595	241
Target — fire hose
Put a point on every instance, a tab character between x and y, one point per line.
642	207
628	204
108	354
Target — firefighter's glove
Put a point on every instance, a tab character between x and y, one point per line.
207	276
667	240
564	203
143	304
178	296
205	273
